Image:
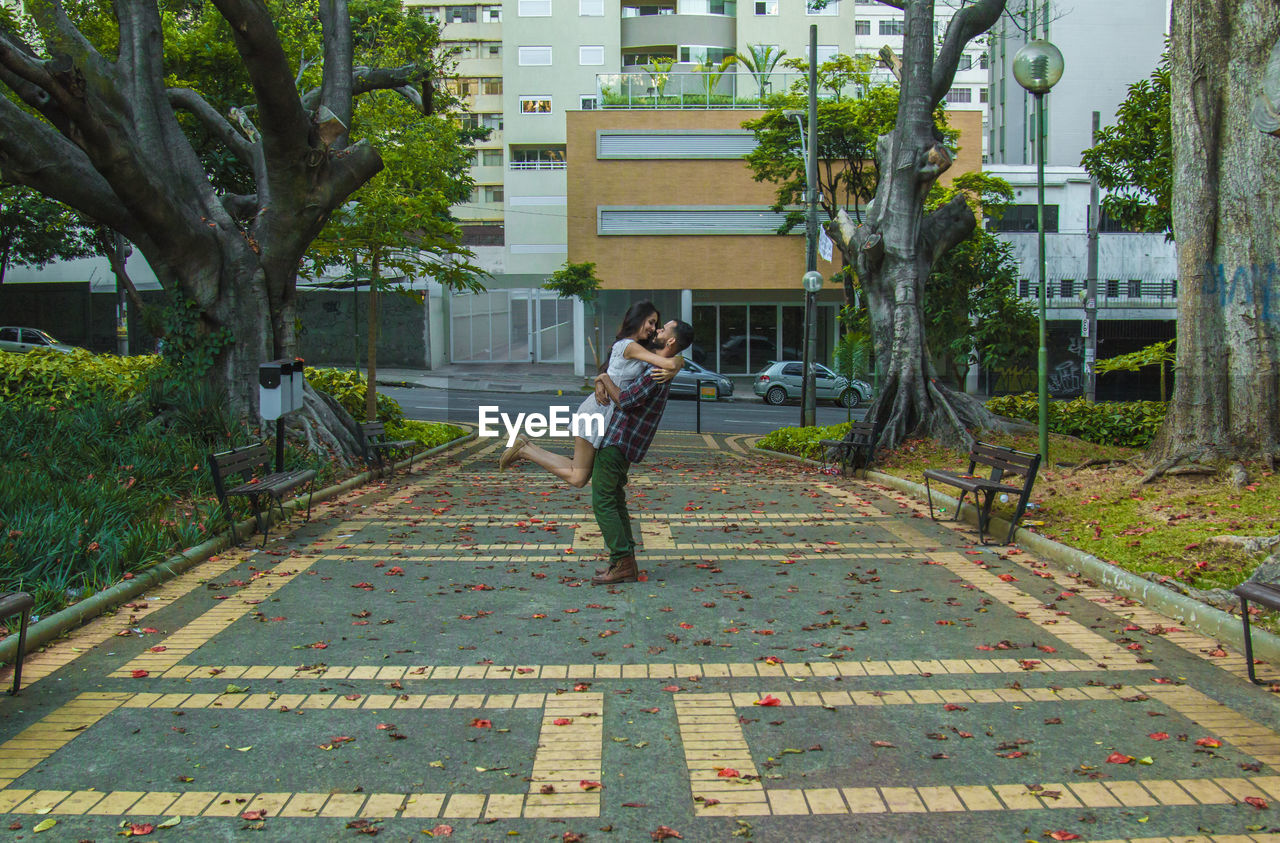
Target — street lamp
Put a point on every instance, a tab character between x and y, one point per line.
1038	67
809	400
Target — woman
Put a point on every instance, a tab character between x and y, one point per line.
629	360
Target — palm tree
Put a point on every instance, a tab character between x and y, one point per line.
713	72
760	60
659	70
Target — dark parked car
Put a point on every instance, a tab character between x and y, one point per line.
685	381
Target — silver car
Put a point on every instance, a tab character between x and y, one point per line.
23	340
779	382
686	380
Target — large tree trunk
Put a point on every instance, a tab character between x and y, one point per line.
897	245
107	142
1226	208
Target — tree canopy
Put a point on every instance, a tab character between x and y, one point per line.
1133	160
35	231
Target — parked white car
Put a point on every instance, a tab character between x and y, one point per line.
23	340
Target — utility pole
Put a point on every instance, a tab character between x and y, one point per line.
808	397
1089	327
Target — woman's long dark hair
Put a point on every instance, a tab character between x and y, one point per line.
631	322
634	318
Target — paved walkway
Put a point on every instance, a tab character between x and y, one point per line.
809	658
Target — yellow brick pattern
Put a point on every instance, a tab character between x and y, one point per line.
38	741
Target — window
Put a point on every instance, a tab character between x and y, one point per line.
486	193
704	55
1023	218
9	334
723	7
793	370
493	49
891	26
958	95
462	49
534	9
491	121
491	85
462	86
1135	288
983	61
862	27
533	56
483	234
832	8
535	105
1113	288
766	7
966	62
537	158
983	95
588	103
827	52
491	157
459	14
491	14
591	8
1108	225
590	54
1066	287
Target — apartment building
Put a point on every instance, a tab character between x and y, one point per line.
527	65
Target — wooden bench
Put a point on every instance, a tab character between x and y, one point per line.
15	603
1264	594
852	452
1003	462
380	451
256	485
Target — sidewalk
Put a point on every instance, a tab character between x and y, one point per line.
809	658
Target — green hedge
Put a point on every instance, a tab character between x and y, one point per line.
54	379
802	441
1132	424
430	434
349	387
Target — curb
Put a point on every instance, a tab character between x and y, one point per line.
1199	617
47	629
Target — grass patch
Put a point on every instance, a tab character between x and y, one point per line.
1163	527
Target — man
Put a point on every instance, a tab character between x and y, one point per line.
631	430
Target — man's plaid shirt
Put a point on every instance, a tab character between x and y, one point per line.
636	419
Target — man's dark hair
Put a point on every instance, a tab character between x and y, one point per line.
684	335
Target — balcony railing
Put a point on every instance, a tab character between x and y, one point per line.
641	88
1140	293
537	165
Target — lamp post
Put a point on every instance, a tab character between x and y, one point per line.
1038	67
808	399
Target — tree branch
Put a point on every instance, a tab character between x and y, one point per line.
336	85
242	207
897	4
966	24
285	127
190	101
947	226
366	79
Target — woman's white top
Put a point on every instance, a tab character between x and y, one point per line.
624	371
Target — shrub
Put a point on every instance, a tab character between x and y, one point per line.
430	434
54	379
348	388
802	441
1132	424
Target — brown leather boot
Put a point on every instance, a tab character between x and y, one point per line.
624	570
609	566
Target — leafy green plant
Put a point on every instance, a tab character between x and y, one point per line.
1131	423
802	441
349	388
429	434
1160	354
53	378
189	346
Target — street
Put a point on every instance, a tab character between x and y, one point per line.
736	416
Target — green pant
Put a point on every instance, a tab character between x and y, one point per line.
609	501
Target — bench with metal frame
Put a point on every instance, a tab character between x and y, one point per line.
17	603
381	452
1003	462
1264	594
852	452
258	483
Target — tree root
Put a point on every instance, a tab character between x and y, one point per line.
1093	461
1192	469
